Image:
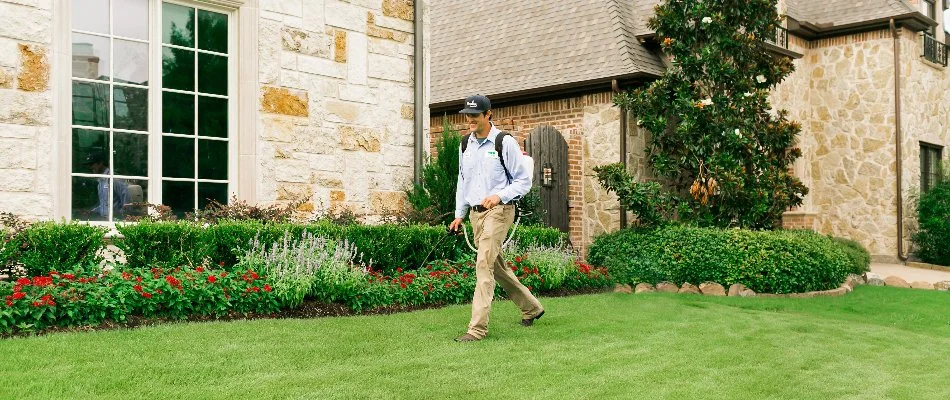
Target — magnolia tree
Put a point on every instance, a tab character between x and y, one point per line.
720	150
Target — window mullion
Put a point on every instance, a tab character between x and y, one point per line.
155	90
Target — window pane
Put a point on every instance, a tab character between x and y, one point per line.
130	19
212	191
91	104
91	15
178	25
178	157
85	203
212	31
129	194
131	154
90	57
180	196
89	151
131	62
178	113
178	69
212	116
212	159
212	74
131	108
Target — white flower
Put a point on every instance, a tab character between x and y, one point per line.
206	225
639	122
738	133
748	94
760	79
707	20
706	102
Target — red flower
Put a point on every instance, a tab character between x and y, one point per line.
173	281
200	269
138	279
529	288
517	259
465	274
48	300
223	274
146	295
526	270
69	276
212	278
42	281
17	288
267	288
23	281
37	304
221	263
514	268
9	303
137	288
402	285
535	270
18	295
399	270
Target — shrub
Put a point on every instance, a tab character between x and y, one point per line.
768	262
859	257
48	246
433	198
550	264
932	240
531	209
149	244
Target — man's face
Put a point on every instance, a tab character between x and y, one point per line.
479	123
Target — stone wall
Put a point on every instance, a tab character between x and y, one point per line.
843	93
26	118
337	103
590	125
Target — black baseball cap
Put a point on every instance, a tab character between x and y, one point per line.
476	104
95	156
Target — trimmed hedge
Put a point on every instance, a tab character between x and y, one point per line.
859	256
169	244
933	215
48	246
766	262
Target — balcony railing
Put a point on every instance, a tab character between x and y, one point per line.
934	51
780	38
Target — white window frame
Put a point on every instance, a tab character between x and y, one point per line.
243	91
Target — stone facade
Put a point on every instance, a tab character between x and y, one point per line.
336	78
334	118
27	139
590	125
843	93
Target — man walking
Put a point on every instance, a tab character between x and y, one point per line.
490	177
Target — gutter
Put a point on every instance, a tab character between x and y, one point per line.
898	138
418	92
615	86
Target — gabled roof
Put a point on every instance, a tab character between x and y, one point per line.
503	48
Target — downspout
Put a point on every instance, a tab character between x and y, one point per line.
419	92
897	133
615	86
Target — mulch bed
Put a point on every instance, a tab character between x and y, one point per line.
308	310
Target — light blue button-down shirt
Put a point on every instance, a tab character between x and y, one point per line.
481	174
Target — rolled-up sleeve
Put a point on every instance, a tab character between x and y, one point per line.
520	179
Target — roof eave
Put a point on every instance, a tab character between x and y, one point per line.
914	21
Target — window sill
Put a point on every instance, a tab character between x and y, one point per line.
932	64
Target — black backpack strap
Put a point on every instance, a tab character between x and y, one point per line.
499	148
465	141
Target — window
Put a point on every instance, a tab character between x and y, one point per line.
151	100
930	10
930	158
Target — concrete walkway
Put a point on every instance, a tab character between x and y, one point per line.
909	274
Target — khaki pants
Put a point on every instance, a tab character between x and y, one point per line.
490	228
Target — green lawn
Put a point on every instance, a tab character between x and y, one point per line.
872	344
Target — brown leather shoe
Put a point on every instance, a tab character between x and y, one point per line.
530	321
468	337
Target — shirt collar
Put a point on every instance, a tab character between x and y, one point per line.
492	134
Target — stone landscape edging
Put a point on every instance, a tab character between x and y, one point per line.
739	290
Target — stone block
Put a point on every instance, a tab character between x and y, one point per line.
277	128
644	288
283	101
389	68
314	16
397	24
896	282
402	9
689	288
736	289
344	111
34	68
922	285
320	66
357	93
304	42
383	202
942	286
16	180
7	77
26	23
346	16
21	108
268	48
712	289
293	171
359	138
625	289
293	191
286	7
667	287
339	46
28	205
17	153
356	57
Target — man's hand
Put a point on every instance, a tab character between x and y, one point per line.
491	201
456	225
